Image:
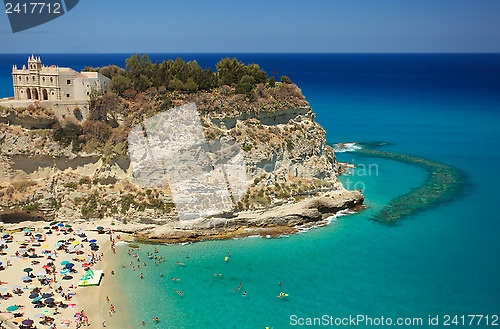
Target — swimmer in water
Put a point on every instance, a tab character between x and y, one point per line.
173	279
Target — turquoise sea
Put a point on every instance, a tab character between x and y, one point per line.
443	261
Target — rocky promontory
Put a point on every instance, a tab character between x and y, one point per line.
69	168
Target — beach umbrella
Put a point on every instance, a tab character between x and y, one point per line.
36	299
46	295
41	273
39	315
64	263
12	308
5	236
33	295
66	270
67	277
28	269
85	265
49	300
48	312
27	230
38	235
45	266
60	225
76	243
67	226
93	240
26	278
18	320
100	228
27	322
69	265
46	228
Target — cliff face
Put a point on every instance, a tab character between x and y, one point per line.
285	151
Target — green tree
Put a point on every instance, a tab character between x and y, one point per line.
120	83
285	79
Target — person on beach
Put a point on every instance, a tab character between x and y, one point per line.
141	275
245	293
107	299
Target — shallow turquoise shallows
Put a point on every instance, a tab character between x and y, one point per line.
443	261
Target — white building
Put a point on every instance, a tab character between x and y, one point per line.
37	82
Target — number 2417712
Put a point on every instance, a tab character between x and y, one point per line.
33	8
471	320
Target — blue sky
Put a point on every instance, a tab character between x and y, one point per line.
112	26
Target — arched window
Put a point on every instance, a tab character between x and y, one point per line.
51	80
35	93
45	94
28	93
43	79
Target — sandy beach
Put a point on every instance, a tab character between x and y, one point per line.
41	265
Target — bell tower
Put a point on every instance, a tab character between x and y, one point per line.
34	64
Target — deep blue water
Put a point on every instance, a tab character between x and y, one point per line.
443	261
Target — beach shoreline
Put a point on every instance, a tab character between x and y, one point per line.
46	250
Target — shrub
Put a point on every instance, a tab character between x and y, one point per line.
69	134
285	79
32	206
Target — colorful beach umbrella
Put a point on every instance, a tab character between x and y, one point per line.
36	299
27	322
64	263
26	278
67	225
69	265
60	225
76	242
67	277
49	300
38	235
66	270
12	308
34	295
39	315
46	295
100	228
28	270
93	240
27	230
46	228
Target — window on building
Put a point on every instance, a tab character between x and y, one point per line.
67	95
68	82
33	78
43	79
20	79
51	80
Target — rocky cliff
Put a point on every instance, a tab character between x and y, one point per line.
48	170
